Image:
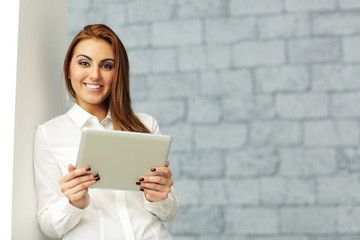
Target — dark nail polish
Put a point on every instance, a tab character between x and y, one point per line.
141	189
153	169
138	183
141	179
95	175
88	169
97	179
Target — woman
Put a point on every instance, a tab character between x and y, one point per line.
97	76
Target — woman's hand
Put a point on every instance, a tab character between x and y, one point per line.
156	187
74	185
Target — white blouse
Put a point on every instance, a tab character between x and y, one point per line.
111	214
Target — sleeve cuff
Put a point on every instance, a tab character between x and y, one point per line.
67	208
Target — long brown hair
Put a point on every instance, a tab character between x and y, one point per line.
118	102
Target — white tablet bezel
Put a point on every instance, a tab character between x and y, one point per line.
121	157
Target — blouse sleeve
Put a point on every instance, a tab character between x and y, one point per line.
55	214
166	209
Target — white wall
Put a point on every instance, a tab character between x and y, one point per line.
40	95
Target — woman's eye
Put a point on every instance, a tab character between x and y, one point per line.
107	66
84	63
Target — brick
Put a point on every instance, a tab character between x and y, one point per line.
134	35
349	219
198	220
187	191
259	53
218	56
251	220
200	8
139	61
115	15
138	88
308	220
336	23
176	33
163	60
181	134
192	58
252	163
204	165
220	136
246	7
308	5
246	193
225	236
336	77
79	21
302	105
339	190
331	133
175	164
349	159
203	110
214	56
339	237
273	191
301	191
275	133
349	4
149	10
289	237
245	107
180	237
288	78
345	105
172	85
229	30
81	5
226	83
284	26
307	162
314	50
351	49
163	111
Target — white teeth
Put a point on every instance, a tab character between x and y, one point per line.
93	86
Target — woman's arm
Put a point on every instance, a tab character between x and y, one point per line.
55	214
160	197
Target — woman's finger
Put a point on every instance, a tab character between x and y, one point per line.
79	183
154	196
75	173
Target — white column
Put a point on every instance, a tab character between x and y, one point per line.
40	34
9	14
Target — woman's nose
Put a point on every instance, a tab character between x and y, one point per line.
94	75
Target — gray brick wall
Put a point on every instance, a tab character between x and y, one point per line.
263	100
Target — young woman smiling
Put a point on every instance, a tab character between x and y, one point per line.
97	76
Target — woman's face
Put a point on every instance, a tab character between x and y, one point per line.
92	71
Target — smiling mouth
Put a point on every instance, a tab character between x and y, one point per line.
92	86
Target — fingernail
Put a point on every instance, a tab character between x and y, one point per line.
88	169
141	189
95	175
153	169
138	183
141	179
97	179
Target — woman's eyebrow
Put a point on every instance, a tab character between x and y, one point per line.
104	60
83	55
107	59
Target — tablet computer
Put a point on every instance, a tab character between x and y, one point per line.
121	157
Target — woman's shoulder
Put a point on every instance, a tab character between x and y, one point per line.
149	122
55	122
